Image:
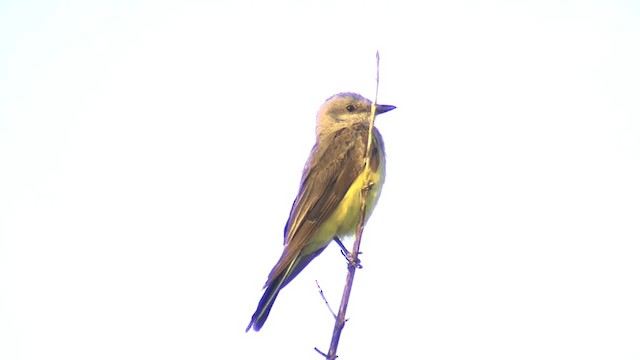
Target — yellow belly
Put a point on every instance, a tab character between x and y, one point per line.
344	220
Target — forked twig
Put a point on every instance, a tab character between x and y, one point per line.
325	300
353	256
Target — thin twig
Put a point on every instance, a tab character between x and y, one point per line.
353	256
325	300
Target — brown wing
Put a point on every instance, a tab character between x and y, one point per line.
333	166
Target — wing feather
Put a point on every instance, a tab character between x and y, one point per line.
333	166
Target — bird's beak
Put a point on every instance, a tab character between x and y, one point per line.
381	109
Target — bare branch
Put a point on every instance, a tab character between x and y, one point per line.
325	300
354	262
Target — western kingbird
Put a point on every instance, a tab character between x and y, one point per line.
328	203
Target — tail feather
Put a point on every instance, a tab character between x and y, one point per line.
274	286
266	302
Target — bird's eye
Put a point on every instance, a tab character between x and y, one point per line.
351	108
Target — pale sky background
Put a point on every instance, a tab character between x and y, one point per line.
150	152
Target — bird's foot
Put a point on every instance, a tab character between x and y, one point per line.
347	255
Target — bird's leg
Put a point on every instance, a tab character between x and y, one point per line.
346	253
344	249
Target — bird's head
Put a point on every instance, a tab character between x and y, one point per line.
344	110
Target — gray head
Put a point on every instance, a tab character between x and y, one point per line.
344	110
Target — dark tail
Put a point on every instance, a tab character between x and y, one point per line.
266	302
274	287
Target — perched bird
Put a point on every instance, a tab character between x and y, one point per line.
328	203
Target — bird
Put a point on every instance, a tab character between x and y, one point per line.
328	203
